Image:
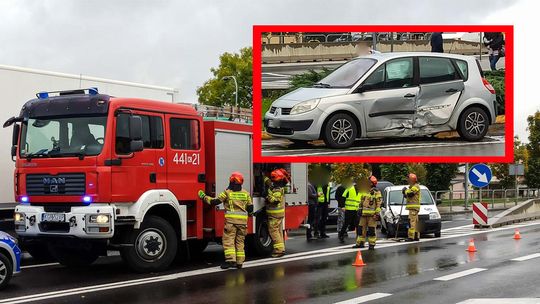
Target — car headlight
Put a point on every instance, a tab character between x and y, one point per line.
19	218
434	216
305	106
99	218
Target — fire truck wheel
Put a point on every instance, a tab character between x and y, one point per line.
71	257
260	243
154	246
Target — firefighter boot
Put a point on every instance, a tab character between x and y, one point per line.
371	247
239	266
417	236
228	265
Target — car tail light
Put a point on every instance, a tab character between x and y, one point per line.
488	86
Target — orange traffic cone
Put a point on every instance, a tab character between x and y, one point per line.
517	236
285	235
471	248
358	262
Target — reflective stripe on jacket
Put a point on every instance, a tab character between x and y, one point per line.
371	202
275	202
325	198
352	198
412	196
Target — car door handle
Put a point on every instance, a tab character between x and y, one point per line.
410	95
452	90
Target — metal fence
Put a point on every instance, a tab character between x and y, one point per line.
493	196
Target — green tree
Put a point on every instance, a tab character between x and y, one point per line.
496	79
439	176
307	79
532	175
219	92
394	173
501	170
340	171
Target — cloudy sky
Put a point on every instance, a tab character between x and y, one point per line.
175	43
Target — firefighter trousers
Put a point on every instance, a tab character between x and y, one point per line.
275	229
233	242
413	224
367	225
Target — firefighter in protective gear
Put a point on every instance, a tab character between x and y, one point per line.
371	207
413	199
353	196
275	209
238	206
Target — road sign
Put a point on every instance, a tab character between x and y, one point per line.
516	169
480	214
480	175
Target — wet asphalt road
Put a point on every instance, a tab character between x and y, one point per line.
492	146
315	272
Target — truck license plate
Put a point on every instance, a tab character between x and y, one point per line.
53	217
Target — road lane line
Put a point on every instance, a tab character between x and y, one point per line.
526	257
211	270
366	298
39	265
459	274
272	152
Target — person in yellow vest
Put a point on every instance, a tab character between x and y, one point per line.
371	207
275	209
238	205
352	196
323	201
412	197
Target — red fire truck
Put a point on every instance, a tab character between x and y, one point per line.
96	173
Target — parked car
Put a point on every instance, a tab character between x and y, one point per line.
10	258
333	208
388	95
393	206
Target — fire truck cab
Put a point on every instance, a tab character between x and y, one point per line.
95	173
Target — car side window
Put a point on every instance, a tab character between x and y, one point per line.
433	69
184	134
464	68
375	81
152	133
394	74
399	73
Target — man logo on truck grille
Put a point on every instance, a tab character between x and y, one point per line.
54	180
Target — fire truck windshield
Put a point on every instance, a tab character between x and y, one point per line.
62	136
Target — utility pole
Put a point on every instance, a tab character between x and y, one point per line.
466	184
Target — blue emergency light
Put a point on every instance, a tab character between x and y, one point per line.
42	95
91	91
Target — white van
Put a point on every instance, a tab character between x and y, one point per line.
393	205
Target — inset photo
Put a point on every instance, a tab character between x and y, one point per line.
383	93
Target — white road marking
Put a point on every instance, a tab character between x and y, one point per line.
366	298
502	301
269	261
459	274
39	265
526	257
376	148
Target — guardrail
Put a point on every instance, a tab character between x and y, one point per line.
525	211
493	196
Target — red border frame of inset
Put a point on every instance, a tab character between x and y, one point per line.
509	85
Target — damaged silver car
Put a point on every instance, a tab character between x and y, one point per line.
388	95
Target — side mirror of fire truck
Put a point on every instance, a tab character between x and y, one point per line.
135	133
15	140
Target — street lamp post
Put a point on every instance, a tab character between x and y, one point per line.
235	88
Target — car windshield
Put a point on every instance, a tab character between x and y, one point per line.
65	136
348	74
396	197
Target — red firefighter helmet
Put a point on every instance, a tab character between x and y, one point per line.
278	175
237	178
373	180
413	177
